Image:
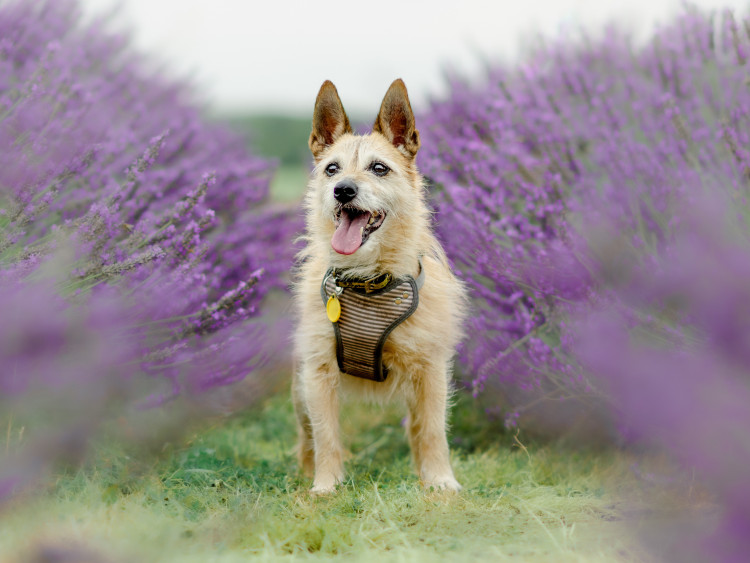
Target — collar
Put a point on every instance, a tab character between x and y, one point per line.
374	283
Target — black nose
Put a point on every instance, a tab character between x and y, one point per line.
345	191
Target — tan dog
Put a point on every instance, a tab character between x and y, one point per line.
366	217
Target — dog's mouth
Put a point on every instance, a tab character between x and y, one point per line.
353	228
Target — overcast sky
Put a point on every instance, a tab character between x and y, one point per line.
273	55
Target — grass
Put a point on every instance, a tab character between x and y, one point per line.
232	491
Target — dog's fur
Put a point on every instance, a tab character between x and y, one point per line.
419	352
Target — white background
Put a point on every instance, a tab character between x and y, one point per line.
273	55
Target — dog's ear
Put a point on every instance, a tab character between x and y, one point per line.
396	120
329	119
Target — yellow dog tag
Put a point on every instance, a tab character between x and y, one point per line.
333	308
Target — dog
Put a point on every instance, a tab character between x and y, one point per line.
367	223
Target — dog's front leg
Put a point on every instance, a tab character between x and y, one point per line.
305	443
321	396
427	428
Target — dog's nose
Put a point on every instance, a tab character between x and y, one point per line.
345	191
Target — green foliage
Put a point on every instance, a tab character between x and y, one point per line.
289	183
278	136
283	138
233	491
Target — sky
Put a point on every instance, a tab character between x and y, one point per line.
272	56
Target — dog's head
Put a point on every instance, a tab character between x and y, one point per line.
363	188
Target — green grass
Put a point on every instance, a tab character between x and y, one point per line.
232	493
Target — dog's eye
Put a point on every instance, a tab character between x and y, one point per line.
332	168
379	169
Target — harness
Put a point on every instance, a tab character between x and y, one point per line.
364	313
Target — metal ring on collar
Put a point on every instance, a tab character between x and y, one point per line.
338	290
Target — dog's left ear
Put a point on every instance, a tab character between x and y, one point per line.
396	120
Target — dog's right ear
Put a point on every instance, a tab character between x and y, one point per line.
329	120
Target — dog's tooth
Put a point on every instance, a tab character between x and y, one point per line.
372	220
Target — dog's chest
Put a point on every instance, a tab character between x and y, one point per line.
366	321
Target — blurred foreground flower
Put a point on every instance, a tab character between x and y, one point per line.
134	249
595	199
671	347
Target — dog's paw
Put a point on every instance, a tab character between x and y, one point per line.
322	490
324	486
447	483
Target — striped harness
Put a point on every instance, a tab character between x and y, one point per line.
370	310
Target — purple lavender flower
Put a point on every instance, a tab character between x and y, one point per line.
136	242
574	145
594	199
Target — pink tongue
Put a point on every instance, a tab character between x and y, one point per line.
348	236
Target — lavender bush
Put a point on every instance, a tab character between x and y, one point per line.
579	143
595	201
135	243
